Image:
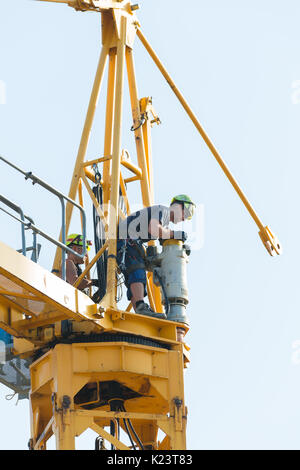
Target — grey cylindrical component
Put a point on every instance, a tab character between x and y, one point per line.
173	272
177	313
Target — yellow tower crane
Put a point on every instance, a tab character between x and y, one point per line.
92	364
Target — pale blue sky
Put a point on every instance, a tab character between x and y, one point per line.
237	63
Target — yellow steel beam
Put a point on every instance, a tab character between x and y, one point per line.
58	375
124	193
44	293
97	160
143	369
131	179
136	116
116	156
145	106
91	264
110	102
121	415
22	326
99	430
270	241
98	5
18	294
131	167
145	109
156	373
84	142
144	159
44	436
95	202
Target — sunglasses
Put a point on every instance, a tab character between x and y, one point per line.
189	210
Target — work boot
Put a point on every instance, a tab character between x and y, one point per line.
144	309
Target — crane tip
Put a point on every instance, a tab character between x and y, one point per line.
270	242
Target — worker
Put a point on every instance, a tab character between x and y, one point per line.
73	261
140	227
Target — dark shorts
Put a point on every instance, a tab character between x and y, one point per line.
133	258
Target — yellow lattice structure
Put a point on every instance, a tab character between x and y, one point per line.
118	366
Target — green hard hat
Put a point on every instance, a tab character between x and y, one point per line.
188	204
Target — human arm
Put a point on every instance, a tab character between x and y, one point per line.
156	229
72	276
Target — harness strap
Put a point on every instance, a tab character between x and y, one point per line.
135	267
112	256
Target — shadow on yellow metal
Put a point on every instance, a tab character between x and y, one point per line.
150	380
33	302
32	297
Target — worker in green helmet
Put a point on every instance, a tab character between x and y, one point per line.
147	224
187	205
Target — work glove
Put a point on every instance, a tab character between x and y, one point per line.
179	235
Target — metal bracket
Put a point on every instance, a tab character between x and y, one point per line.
270	241
146	108
118	315
178	413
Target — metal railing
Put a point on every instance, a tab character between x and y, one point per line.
35	248
36	230
17	209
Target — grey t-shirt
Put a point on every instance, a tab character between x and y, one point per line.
135	226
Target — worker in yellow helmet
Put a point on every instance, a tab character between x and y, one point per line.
73	261
141	227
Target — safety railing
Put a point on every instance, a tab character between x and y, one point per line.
17	209
36	230
35	248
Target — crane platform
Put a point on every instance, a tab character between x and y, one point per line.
109	353
34	302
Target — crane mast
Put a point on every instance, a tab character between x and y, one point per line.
93	365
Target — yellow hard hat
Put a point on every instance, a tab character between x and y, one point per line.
77	239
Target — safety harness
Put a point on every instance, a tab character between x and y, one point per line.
125	249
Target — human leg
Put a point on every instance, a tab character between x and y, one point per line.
137	293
